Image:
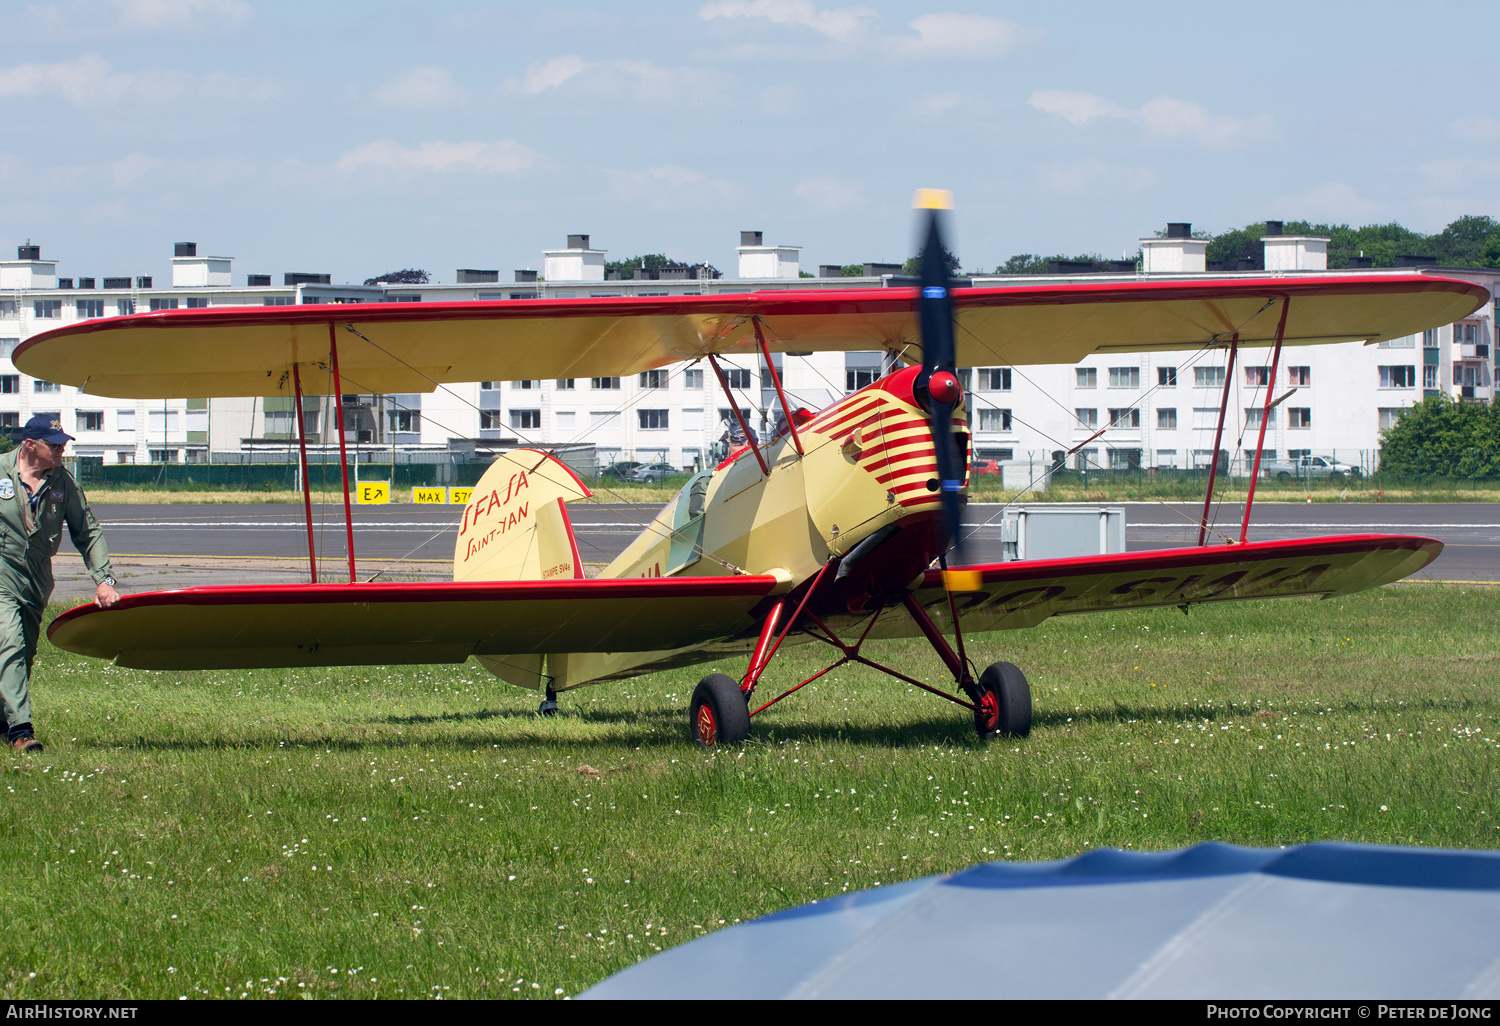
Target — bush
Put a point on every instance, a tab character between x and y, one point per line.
1445	438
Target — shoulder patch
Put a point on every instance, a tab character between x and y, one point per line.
7	490
57	494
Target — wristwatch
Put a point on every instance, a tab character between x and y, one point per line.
109	581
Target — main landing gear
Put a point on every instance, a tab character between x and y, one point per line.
721	708
549	704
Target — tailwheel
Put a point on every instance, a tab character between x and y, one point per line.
1004	706
718	713
549	704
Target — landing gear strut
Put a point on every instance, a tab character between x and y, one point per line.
549	704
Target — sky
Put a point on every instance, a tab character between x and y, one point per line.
360	138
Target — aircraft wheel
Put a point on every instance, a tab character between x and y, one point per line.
1004	702
549	704
718	714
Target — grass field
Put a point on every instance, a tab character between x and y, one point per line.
415	832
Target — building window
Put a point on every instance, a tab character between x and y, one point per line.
1254	414
403	299
1430	376
163	304
564	421
1124	459
653	379
124	420
1398	377
1088	377
1298	417
1166	377
164	422
489	386
604	384
10	384
652	420
1088	459
1299	377
90	308
565	384
604	420
163	455
994	379
1166	458
45	386
274	301
994	420
1166	420
856	378
526	420
726	415
1404	342
1124	377
1257	377
197	302
738	377
1125	418
531	385
90	420
1430	339
692	420
1087	418
47	309
1388	415
404	420
489	420
1208	377
1265	454
692	379
124	307
8	308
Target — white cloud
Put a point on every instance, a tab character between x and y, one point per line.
961	35
551	74
133	167
1075	108
86	81
833	22
421	88
502	157
1164	117
170	14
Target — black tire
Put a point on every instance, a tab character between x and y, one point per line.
1283	476
1005	702
718	713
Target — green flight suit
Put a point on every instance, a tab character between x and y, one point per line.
27	545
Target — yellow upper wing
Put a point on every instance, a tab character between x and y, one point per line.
414	347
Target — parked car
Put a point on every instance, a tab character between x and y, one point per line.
653	474
984	468
1308	467
620	471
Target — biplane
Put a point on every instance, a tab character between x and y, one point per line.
841	529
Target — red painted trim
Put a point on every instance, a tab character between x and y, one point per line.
587	492
742	586
1188	556
779	302
1213	471
312	547
338	405
578	574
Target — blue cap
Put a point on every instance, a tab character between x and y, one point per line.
47	428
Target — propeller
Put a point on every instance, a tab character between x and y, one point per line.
937	387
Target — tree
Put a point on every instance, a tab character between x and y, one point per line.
913	266
631	263
1442	437
406	277
852	270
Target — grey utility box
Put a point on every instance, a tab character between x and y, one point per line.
1055	531
1026	475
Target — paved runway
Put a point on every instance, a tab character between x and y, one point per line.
179	546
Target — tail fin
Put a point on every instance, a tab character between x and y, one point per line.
516	525
516	528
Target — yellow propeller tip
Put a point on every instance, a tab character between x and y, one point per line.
963	580
933	199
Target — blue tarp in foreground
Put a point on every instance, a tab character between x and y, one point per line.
1212	921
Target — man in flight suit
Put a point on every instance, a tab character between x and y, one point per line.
37	497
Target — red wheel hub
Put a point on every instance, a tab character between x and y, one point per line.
944	387
988	712
706	726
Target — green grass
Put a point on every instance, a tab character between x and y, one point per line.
411	832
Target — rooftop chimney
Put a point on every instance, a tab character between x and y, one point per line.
830	271
1273	228
475	275
1179	230
578	242
1359	263
185	249
258	281
28	252
525	275
752	238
